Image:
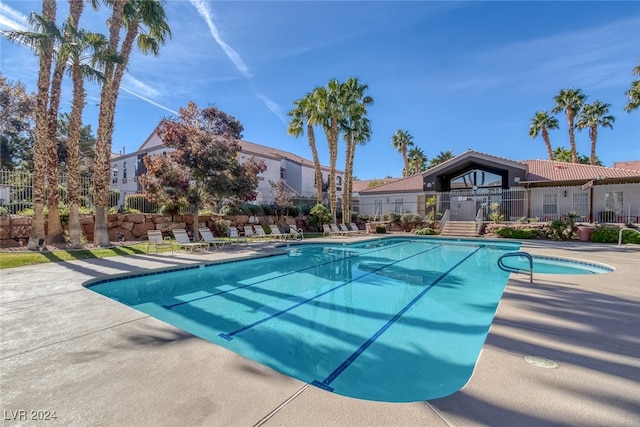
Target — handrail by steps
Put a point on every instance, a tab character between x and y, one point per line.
620	234
516	269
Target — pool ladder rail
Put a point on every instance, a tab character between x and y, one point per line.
518	270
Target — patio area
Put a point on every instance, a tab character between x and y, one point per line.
92	361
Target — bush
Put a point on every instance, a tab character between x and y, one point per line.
222	225
392	217
426	231
611	235
381	229
517	233
562	230
4	211
319	214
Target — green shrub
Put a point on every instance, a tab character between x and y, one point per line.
426	231
611	235
381	229
4	211
222	225
267	228
392	217
319	214
517	233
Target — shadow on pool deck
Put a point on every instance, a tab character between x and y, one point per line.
96	362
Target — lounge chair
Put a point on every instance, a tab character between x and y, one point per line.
235	235
156	241
207	237
336	231
260	233
182	239
277	234
347	231
326	230
355	228
296	233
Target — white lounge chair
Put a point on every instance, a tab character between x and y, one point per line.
347	231
337	232
260	233
156	241
355	228
208	237
296	233
182	239
277	234
326	230
235	235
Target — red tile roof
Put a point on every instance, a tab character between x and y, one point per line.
551	170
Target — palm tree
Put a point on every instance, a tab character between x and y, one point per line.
441	158
144	21
417	160
592	116
633	93
571	101
356	128
328	100
303	114
79	42
541	123
42	41
401	141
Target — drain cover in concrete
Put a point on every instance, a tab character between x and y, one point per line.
541	361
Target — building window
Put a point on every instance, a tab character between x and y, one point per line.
124	173
377	207
114	176
550	204
282	170
338	180
613	201
580	204
399	208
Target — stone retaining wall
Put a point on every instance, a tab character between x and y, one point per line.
15	229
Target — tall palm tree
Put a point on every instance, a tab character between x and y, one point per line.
417	160
541	123
592	116
633	93
144	22
42	41
570	101
304	114
83	46
328	100
401	141
356	128
442	157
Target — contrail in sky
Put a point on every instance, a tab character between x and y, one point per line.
202	7
148	100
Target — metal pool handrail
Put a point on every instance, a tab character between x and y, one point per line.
516	269
620	234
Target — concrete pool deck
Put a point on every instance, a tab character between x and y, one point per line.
95	362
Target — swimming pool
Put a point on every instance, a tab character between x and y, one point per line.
554	265
396	319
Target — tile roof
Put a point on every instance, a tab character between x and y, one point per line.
408	184
551	170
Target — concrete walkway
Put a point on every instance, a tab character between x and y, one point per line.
94	362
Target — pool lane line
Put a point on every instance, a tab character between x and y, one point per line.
229	336
325	384
171	306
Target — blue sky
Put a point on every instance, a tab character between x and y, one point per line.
455	75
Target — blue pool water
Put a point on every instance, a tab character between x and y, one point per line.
394	320
553	265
